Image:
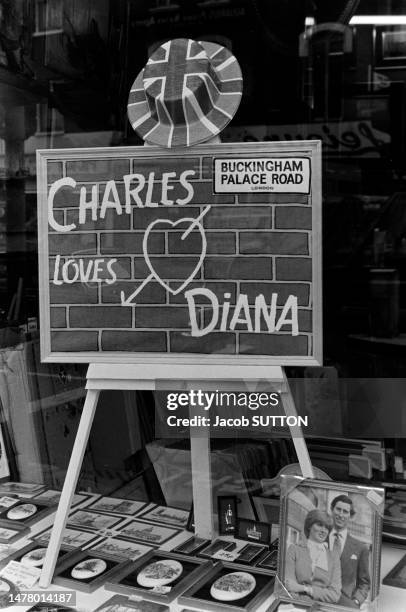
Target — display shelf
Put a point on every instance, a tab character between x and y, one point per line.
391	599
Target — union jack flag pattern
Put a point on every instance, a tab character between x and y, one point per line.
186	94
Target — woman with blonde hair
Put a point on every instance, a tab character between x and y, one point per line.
312	570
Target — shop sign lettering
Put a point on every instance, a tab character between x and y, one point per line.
341	139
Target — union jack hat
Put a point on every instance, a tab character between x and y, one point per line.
187	93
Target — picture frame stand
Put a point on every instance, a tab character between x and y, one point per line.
103	376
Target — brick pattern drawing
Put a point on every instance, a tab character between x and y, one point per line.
256	243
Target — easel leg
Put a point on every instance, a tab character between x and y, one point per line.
297	435
201	482
69	486
201	479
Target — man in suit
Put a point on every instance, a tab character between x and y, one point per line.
354	554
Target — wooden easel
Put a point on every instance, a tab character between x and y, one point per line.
138	377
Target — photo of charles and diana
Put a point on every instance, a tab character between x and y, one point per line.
331	544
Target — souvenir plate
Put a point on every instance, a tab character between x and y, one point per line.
233	586
160	573
160	576
89	568
33	555
34	558
7	589
21	512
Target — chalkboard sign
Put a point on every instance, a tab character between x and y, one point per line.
205	255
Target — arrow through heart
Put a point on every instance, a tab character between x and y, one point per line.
154	274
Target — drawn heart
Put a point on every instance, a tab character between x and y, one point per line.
196	225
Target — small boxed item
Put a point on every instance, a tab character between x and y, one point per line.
215	547
253	531
251	553
85	571
227	514
160	576
223	588
269	561
191	546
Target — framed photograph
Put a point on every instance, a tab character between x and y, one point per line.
397	575
360	467
167	516
147	533
6	501
161	576
21	489
118	603
128	507
85	571
253	531
224	588
32	555
72	538
330	540
7	536
191	546
87	519
117	548
267	506
270	561
227	514
52	496
24	513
